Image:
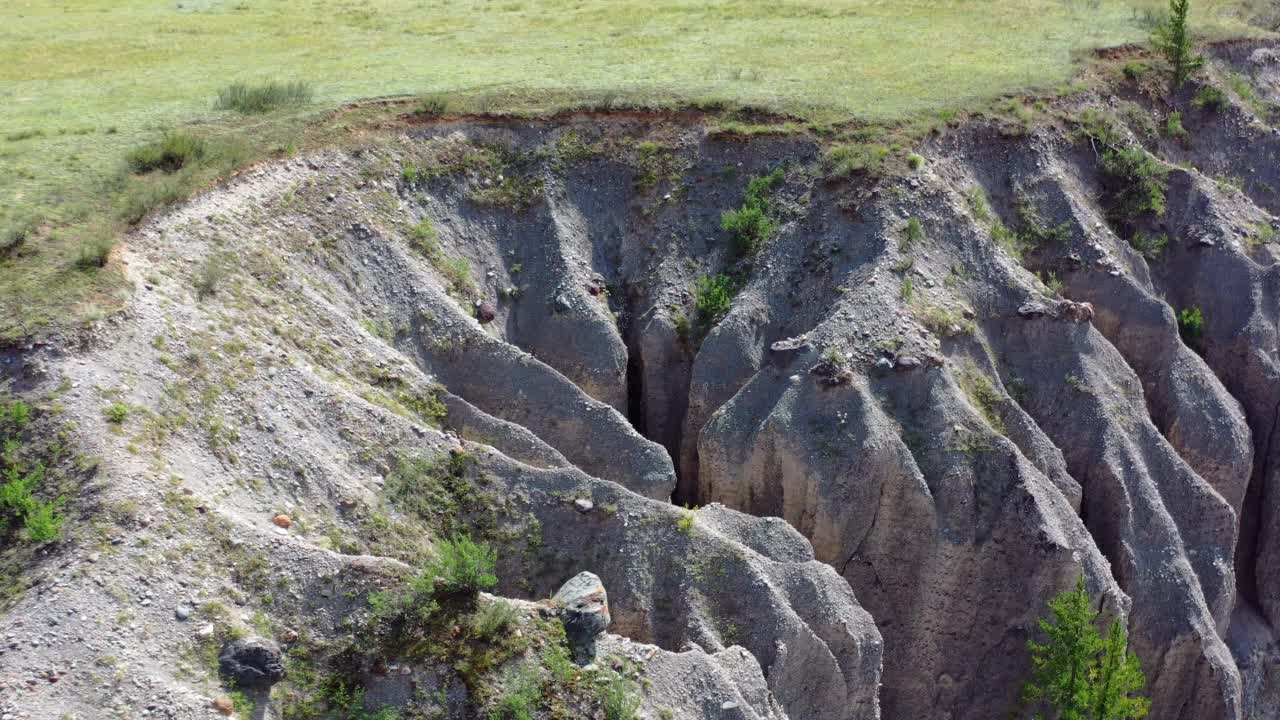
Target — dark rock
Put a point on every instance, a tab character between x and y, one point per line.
906	363
1033	309
486	312
584	611
562	304
251	663
883	366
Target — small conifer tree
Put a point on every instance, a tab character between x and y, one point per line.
1173	39
1075	674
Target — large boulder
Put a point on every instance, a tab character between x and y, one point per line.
584	608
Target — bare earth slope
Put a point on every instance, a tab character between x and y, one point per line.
937	399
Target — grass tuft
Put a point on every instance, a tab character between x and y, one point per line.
253	99
169	154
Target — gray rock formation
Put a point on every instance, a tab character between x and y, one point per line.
894	450
584	610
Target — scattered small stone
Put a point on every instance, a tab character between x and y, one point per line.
182	612
728	705
583	505
223	704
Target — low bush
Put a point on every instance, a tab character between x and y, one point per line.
913	234
251	99
618	700
461	568
20	479
1136	182
210	276
713	297
1210	97
853	158
432	105
750	226
1136	70
116	413
1191	328
1151	246
1173	126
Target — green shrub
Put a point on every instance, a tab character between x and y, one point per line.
516	193
42	522
908	291
461	568
846	160
1173	126
492	620
618	700
172	152
750	226
14	417
983	394
914	161
913	234
713	297
432	105
20	479
1101	128
1191	328
1137	182
684	523
1136	70
1210	97
1152	247
250	99
409	174
1262	234
521	701
116	413
210	276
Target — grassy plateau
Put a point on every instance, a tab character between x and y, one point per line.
85	82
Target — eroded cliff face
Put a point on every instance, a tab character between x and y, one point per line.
938	398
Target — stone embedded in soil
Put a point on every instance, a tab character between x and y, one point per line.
251	663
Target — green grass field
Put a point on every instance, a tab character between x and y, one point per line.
82	81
